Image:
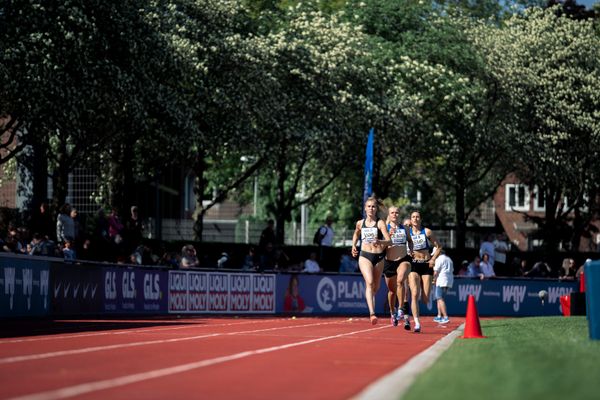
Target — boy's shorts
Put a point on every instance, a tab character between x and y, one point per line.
440	292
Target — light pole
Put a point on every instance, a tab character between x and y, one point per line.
249	159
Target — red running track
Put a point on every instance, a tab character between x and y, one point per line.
206	357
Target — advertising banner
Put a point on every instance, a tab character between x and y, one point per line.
135	290
76	289
344	294
325	294
24	285
219	292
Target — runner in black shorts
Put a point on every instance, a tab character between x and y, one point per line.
374	239
421	275
397	265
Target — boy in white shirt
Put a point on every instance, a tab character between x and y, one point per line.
443	277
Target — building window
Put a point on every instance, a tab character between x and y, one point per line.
517	198
539	199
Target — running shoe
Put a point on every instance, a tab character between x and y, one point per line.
417	328
406	323
438	319
394	320
400	314
444	320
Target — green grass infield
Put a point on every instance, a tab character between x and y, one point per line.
525	358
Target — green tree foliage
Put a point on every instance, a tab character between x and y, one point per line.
549	66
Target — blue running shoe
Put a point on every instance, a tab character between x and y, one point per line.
445	320
438	319
394	320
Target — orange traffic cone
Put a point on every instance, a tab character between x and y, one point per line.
472	327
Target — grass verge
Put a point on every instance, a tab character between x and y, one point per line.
526	358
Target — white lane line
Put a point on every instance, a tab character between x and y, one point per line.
40	356
89	387
395	384
126	331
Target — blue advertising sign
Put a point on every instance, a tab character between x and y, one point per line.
505	297
325	294
135	290
24	285
345	294
76	289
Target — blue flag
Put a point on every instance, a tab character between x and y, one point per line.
368	189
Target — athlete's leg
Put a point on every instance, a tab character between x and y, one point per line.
402	271
427	279
414	281
366	269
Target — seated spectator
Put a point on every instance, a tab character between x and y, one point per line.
474	269
68	252
170	259
464	268
311	265
486	269
249	260
568	270
539	270
223	261
188	257
348	263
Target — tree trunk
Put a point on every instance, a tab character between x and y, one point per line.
39	176
280	206
199	188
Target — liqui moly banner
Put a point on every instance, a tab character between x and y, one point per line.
216	292
24	283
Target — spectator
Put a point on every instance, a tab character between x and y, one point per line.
77	232
134	228
41	246
486	269
443	277
348	263
487	246
474	268
249	260
292	302
65	226
568	270
464	268
539	270
115	226
311	265
581	268
267	236
223	261
501	249
12	243
188	257
170	259
326	235
269	259
68	251
42	222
